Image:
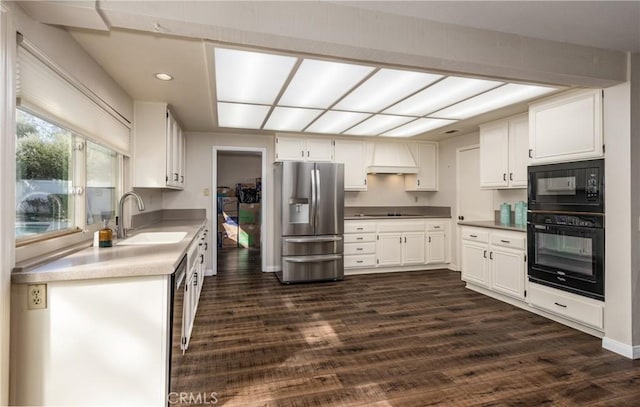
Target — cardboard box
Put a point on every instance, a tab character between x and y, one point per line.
228	242
223	191
249	213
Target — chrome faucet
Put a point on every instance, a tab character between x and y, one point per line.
121	232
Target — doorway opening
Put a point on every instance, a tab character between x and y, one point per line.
239	208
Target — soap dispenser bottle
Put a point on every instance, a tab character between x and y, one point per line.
105	235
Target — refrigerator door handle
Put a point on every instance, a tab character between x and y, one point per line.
314	200
316	213
313	239
313	259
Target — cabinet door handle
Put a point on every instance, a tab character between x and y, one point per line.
460	217
490	255
510	176
505	241
418	182
175	176
485	254
504	176
206	245
429	239
307	153
474	236
560	305
201	258
182	179
530	153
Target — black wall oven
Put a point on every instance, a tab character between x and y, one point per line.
565	227
567	252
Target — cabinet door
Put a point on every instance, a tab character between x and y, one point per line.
518	151
508	272
566	128
436	247
170	123
389	249
352	153
413	249
319	149
475	263
427	177
494	154
289	148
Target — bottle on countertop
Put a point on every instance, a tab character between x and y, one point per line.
105	235
505	213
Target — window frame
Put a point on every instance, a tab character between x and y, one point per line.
36	245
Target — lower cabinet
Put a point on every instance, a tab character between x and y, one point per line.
392	243
495	259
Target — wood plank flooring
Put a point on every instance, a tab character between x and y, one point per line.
397	339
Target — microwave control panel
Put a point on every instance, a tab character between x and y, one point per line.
591	187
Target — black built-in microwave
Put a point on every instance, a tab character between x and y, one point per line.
567	187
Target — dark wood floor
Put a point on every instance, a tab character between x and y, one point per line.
397	339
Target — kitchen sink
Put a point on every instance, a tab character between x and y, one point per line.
154	238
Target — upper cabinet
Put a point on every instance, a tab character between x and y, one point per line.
566	128
158	147
352	153
504	153
426	179
291	148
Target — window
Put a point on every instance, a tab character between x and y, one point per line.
64	182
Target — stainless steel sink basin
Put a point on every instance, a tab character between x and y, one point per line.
154	238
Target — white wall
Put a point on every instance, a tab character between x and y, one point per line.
238	168
199	177
386	190
509	196
635	198
620	232
7	186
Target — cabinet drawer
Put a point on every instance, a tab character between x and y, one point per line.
508	240
360	238
385	226
355	261
475	235
437	226
360	248
357	227
583	310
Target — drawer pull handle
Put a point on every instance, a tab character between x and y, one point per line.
359	238
561	279
560	305
473	235
436	227
359	249
505	241
359	228
359	261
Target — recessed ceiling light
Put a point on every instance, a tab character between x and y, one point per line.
163	76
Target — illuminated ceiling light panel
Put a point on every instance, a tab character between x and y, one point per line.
291	118
417	127
250	77
384	88
444	93
336	122
318	84
492	100
378	124
241	116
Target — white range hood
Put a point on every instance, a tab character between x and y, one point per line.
391	158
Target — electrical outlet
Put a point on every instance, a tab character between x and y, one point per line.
37	296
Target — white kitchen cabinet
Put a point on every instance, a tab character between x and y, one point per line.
495	259
566	127
426	156
413	248
292	148
504	153
159	147
437	235
389	249
352	153
583	310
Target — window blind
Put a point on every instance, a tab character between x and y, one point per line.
44	89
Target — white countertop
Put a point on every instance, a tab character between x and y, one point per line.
117	261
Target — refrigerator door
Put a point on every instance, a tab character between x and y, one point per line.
298	195
329	214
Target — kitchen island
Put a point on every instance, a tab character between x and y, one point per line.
102	333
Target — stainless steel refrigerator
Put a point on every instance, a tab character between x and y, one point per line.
310	197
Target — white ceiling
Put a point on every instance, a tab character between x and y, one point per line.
131	57
603	24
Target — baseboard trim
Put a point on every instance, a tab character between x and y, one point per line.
271	269
209	273
628	351
453	267
376	270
